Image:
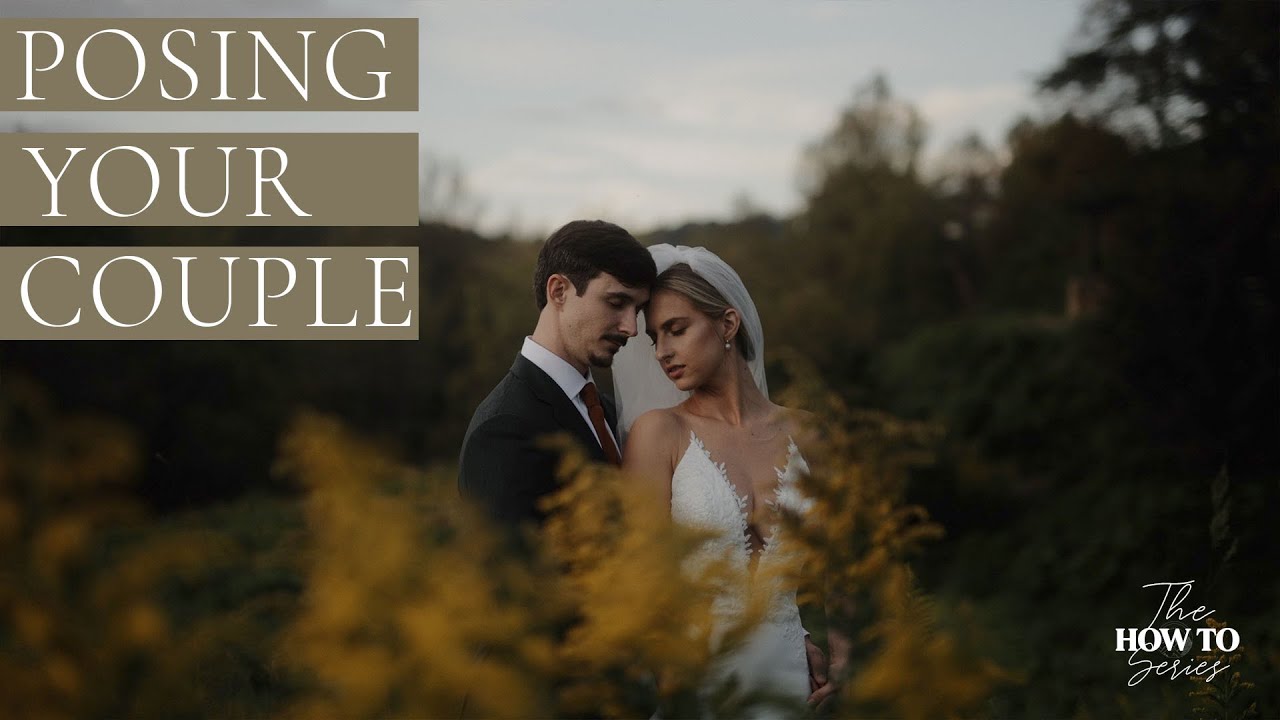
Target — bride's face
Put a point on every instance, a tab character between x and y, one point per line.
688	344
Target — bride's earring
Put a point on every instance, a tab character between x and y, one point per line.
726	345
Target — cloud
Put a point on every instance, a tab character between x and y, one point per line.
954	112
175	8
952	105
655	112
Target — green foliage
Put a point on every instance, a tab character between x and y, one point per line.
1022	388
1060	504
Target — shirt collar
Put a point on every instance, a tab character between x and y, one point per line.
564	374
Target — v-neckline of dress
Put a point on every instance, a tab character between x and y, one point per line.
740	499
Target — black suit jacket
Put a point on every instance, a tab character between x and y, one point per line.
501	468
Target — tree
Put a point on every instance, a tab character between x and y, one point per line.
876	131
1196	299
967	181
1172	71
867	264
1057	201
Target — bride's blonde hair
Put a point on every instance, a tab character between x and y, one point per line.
706	299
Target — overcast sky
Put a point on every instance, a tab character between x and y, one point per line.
648	113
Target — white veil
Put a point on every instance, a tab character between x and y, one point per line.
639	385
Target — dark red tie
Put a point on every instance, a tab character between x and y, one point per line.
596	412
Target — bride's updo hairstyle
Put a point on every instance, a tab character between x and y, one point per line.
680	278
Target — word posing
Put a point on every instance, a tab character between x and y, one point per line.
45	50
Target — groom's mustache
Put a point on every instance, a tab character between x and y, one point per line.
619	339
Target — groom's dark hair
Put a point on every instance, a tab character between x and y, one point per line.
583	249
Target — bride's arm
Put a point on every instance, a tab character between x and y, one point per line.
648	456
649	460
806	433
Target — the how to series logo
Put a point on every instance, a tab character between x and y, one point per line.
1169	634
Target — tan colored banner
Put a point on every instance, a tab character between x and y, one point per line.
209	64
209	179
209	293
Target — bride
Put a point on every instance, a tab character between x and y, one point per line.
702	433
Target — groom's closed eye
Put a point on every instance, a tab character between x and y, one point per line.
619	300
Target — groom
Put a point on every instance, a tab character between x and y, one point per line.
591	279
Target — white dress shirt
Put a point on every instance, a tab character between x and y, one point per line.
564	374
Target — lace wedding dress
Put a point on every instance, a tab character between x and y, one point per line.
773	658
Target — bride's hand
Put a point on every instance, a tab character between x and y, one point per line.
821	697
817	664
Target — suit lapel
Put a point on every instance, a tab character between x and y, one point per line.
563	410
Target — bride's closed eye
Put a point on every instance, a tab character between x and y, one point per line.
653	339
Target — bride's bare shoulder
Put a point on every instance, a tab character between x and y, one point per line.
657	431
801	425
658	427
653	442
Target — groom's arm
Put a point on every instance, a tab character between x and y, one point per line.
504	471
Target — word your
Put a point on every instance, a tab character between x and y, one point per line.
260	178
1174	639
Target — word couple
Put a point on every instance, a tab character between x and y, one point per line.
690	418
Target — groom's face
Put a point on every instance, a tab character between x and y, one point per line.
598	323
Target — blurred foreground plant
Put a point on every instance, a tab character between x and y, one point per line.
58	483
85	626
411	607
857	537
639	618
1226	697
415	606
